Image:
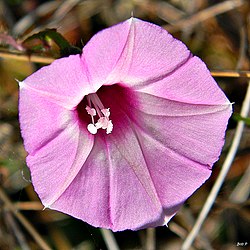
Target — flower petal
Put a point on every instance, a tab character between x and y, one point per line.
114	189
158	106
193	131
133	52
40	119
103	51
191	83
87	198
54	166
56	142
64	82
175	176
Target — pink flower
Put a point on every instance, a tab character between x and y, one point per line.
123	134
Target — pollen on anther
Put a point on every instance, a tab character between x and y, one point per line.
91	111
110	127
92	129
97	108
106	112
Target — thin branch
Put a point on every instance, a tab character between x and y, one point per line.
17	232
47	60
204	14
26	58
59	14
230	73
109	239
24	221
6	12
29	205
63	10
60	241
177	229
224	170
202	239
28	20
241	192
150	239
243	47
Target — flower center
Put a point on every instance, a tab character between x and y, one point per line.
95	107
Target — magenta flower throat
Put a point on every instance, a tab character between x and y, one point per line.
121	135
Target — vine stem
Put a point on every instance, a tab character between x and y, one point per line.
40	241
109	239
224	170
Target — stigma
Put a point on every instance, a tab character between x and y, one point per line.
96	108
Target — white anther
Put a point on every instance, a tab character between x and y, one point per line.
103	113
91	111
92	129
110	127
106	112
102	123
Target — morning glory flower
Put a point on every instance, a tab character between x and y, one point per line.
121	135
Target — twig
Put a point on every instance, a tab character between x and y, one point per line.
59	239
24	221
204	14
26	58
63	9
177	229
59	14
230	73
109	239
17	232
164	10
25	22
241	192
202	239
243	47
29	205
47	60
224	170
7	14
150	239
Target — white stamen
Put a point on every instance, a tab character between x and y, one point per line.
92	129
91	111
102	123
106	112
103	113
110	127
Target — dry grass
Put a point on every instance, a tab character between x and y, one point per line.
218	32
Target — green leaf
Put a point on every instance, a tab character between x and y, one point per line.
238	117
65	47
